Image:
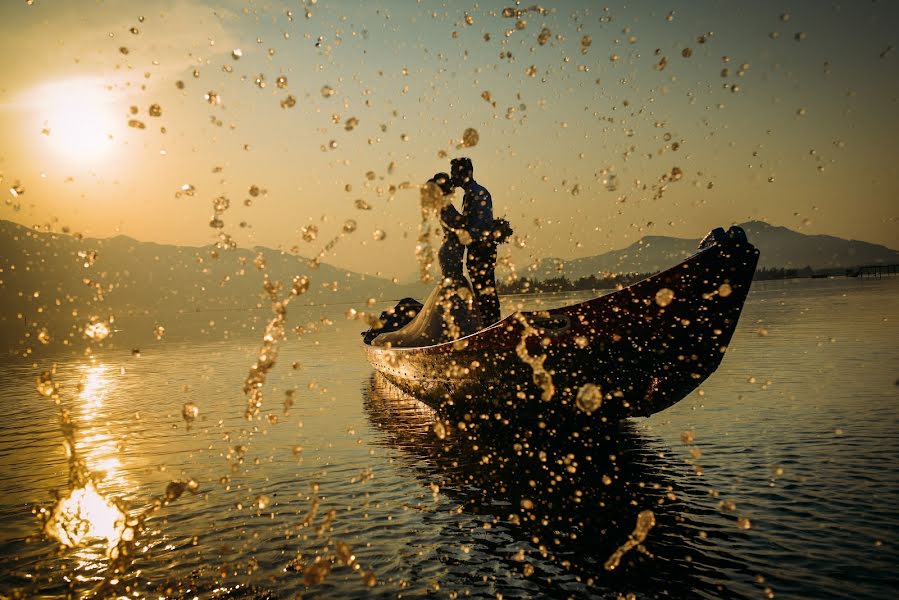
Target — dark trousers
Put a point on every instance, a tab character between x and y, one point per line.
481	263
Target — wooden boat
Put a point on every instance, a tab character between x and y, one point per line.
633	352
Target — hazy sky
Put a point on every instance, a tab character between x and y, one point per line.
631	119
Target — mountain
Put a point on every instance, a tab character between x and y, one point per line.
54	278
57	282
779	246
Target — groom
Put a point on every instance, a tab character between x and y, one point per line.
477	221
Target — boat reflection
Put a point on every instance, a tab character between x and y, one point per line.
573	495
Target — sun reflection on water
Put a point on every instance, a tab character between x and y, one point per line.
83	516
97	444
93	387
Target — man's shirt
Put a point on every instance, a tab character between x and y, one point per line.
477	209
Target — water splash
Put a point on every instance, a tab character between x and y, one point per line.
542	378
274	333
646	520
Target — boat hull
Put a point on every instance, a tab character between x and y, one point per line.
633	352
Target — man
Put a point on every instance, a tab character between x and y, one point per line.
477	222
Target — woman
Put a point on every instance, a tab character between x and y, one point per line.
452	250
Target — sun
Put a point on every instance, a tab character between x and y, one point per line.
77	116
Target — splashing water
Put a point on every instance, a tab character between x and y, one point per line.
431	200
542	378
83	516
646	520
268	352
96	329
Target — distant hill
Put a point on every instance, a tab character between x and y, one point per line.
780	247
58	281
44	280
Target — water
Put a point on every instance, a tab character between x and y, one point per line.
795	437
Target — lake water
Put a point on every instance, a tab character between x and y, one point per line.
777	479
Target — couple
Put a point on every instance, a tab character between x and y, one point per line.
474	230
454	308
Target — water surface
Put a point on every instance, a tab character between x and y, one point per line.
777	478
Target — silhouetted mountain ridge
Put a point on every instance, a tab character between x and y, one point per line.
56	277
780	247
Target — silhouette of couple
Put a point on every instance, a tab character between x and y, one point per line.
472	234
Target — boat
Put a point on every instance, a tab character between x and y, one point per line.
630	353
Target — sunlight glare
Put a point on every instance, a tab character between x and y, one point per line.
83	516
77	117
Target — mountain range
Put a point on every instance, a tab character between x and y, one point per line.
56	277
780	248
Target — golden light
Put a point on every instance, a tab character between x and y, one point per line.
92	388
85	516
77	116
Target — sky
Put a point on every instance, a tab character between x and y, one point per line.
597	123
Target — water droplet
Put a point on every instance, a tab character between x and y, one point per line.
440	430
212	98
96	329
589	398
688	437
349	226
159	332
530	71
136	124
88	257
327	91
724	290
155	110
664	297
687	52
544	36
45	385
309	233
379	235
189	412
362	204
124	50
288	102
470	137
744	523
220	204
236	54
